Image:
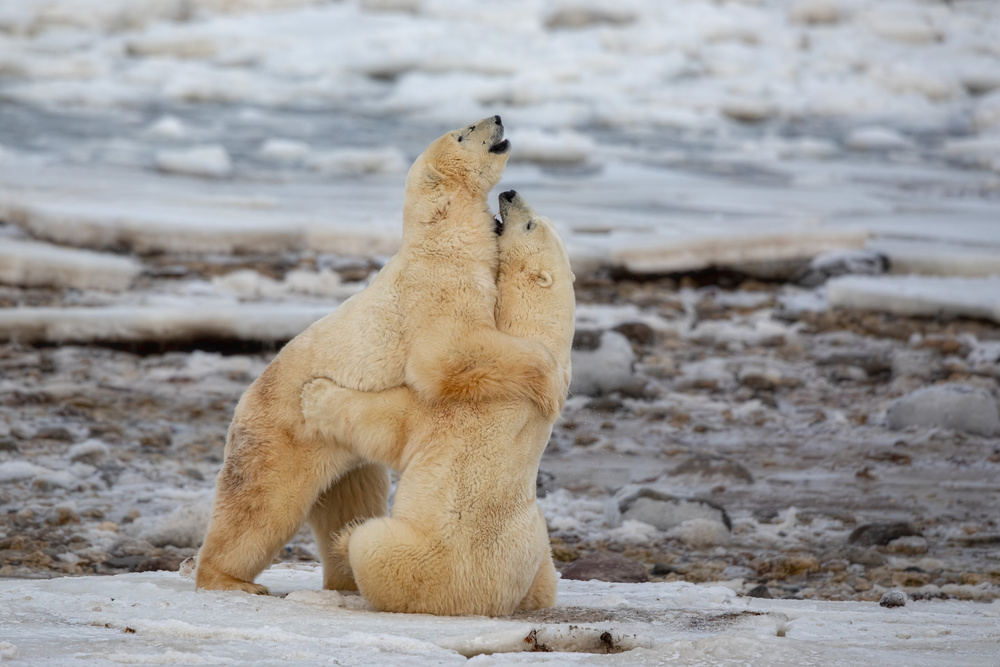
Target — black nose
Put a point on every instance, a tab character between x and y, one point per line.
508	196
497	119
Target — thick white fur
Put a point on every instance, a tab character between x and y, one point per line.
466	535
428	313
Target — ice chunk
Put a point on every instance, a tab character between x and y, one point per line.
358	161
289	151
168	127
209	161
563	147
876	138
954	406
918	295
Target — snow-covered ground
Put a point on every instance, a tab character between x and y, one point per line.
190	184
158	618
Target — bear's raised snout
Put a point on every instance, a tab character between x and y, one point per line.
508	196
497	119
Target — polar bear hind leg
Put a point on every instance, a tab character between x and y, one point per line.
542	592
361	494
399	568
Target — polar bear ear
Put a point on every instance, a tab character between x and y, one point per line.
572	277
545	278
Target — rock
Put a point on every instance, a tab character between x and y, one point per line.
843	262
767	375
662	569
880	534
790	566
89	451
544	482
639	333
602	369
760	591
640	389
660	509
911	545
606	566
604	404
8	445
54	433
856	555
893	598
583	15
702	533
814	12
708	467
913	363
159	563
954	406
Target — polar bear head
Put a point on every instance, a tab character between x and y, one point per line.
459	167
535	281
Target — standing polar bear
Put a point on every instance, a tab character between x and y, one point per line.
466	535
429	314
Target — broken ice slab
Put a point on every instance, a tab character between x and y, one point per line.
116	324
34	264
927	296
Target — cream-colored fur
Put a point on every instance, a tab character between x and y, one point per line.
466	535
428	314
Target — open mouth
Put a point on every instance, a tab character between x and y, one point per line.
498	225
500	147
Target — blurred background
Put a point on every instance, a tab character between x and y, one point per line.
784	216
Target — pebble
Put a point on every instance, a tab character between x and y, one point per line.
760	591
893	598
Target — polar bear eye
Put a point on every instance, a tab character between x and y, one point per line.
531	225
461	138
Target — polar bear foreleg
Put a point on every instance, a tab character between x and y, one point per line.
373	424
487	365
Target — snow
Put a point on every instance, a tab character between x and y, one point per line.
158	618
952	405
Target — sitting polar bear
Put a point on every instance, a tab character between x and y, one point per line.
466	535
429	313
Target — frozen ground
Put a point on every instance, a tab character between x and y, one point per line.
182	191
157	618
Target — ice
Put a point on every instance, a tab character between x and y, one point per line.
210	161
602	370
876	138
158	618
919	295
32	264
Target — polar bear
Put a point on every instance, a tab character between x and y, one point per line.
429	313
466	535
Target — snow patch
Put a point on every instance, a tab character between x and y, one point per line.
35	264
210	161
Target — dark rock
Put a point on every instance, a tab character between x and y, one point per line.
880	534
639	389
709	466
893	598
604	404
586	340
54	433
544	482
662	569
760	591
129	563
168	563
8	445
638	333
606	566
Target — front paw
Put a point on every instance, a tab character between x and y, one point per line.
315	399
